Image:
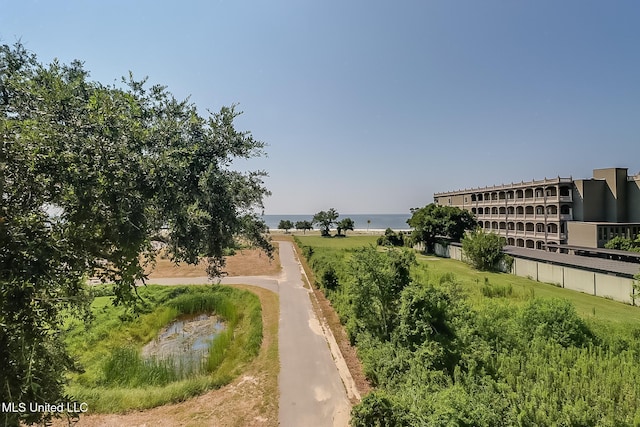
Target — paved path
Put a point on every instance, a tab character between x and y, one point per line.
311	390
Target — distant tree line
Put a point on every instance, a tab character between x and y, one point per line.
325	220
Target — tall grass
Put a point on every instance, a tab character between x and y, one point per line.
218	349
109	349
125	367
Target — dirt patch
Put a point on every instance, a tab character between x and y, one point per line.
253	262
250	400
246	262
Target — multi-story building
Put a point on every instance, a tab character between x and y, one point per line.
558	211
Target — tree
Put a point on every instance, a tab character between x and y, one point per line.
285	225
434	221
427	319
376	282
344	225
88	173
624	244
304	226
483	250
325	219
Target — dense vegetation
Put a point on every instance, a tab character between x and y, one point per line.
117	378
478	349
89	175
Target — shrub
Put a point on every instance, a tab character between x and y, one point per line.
483	250
329	279
391	238
553	319
375	410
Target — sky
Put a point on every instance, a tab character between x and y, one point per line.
369	106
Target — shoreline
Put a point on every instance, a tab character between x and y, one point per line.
357	231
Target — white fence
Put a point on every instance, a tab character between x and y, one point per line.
590	282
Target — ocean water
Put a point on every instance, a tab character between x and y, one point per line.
362	221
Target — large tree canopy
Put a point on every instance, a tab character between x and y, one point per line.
435	220
325	219
88	175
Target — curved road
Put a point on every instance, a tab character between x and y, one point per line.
311	389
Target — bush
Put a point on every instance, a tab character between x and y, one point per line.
425	315
553	319
375	410
483	250
451	360
329	279
391	238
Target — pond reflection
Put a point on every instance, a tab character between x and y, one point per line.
185	341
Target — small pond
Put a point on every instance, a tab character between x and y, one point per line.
185	341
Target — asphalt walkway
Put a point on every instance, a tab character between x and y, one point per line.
312	392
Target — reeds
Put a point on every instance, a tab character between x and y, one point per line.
115	366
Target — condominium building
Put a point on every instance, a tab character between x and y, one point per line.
556	212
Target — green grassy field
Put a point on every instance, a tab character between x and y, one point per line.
349	242
588	306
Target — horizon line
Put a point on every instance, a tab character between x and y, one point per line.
350	213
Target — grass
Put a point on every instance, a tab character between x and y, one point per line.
349	242
116	379
588	306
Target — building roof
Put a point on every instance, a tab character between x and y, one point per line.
512	186
597	251
599	265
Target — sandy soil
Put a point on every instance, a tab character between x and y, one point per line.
246	262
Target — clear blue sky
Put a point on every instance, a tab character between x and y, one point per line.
371	106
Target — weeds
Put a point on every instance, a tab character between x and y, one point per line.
109	350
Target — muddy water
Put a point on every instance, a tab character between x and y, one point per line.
185	341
